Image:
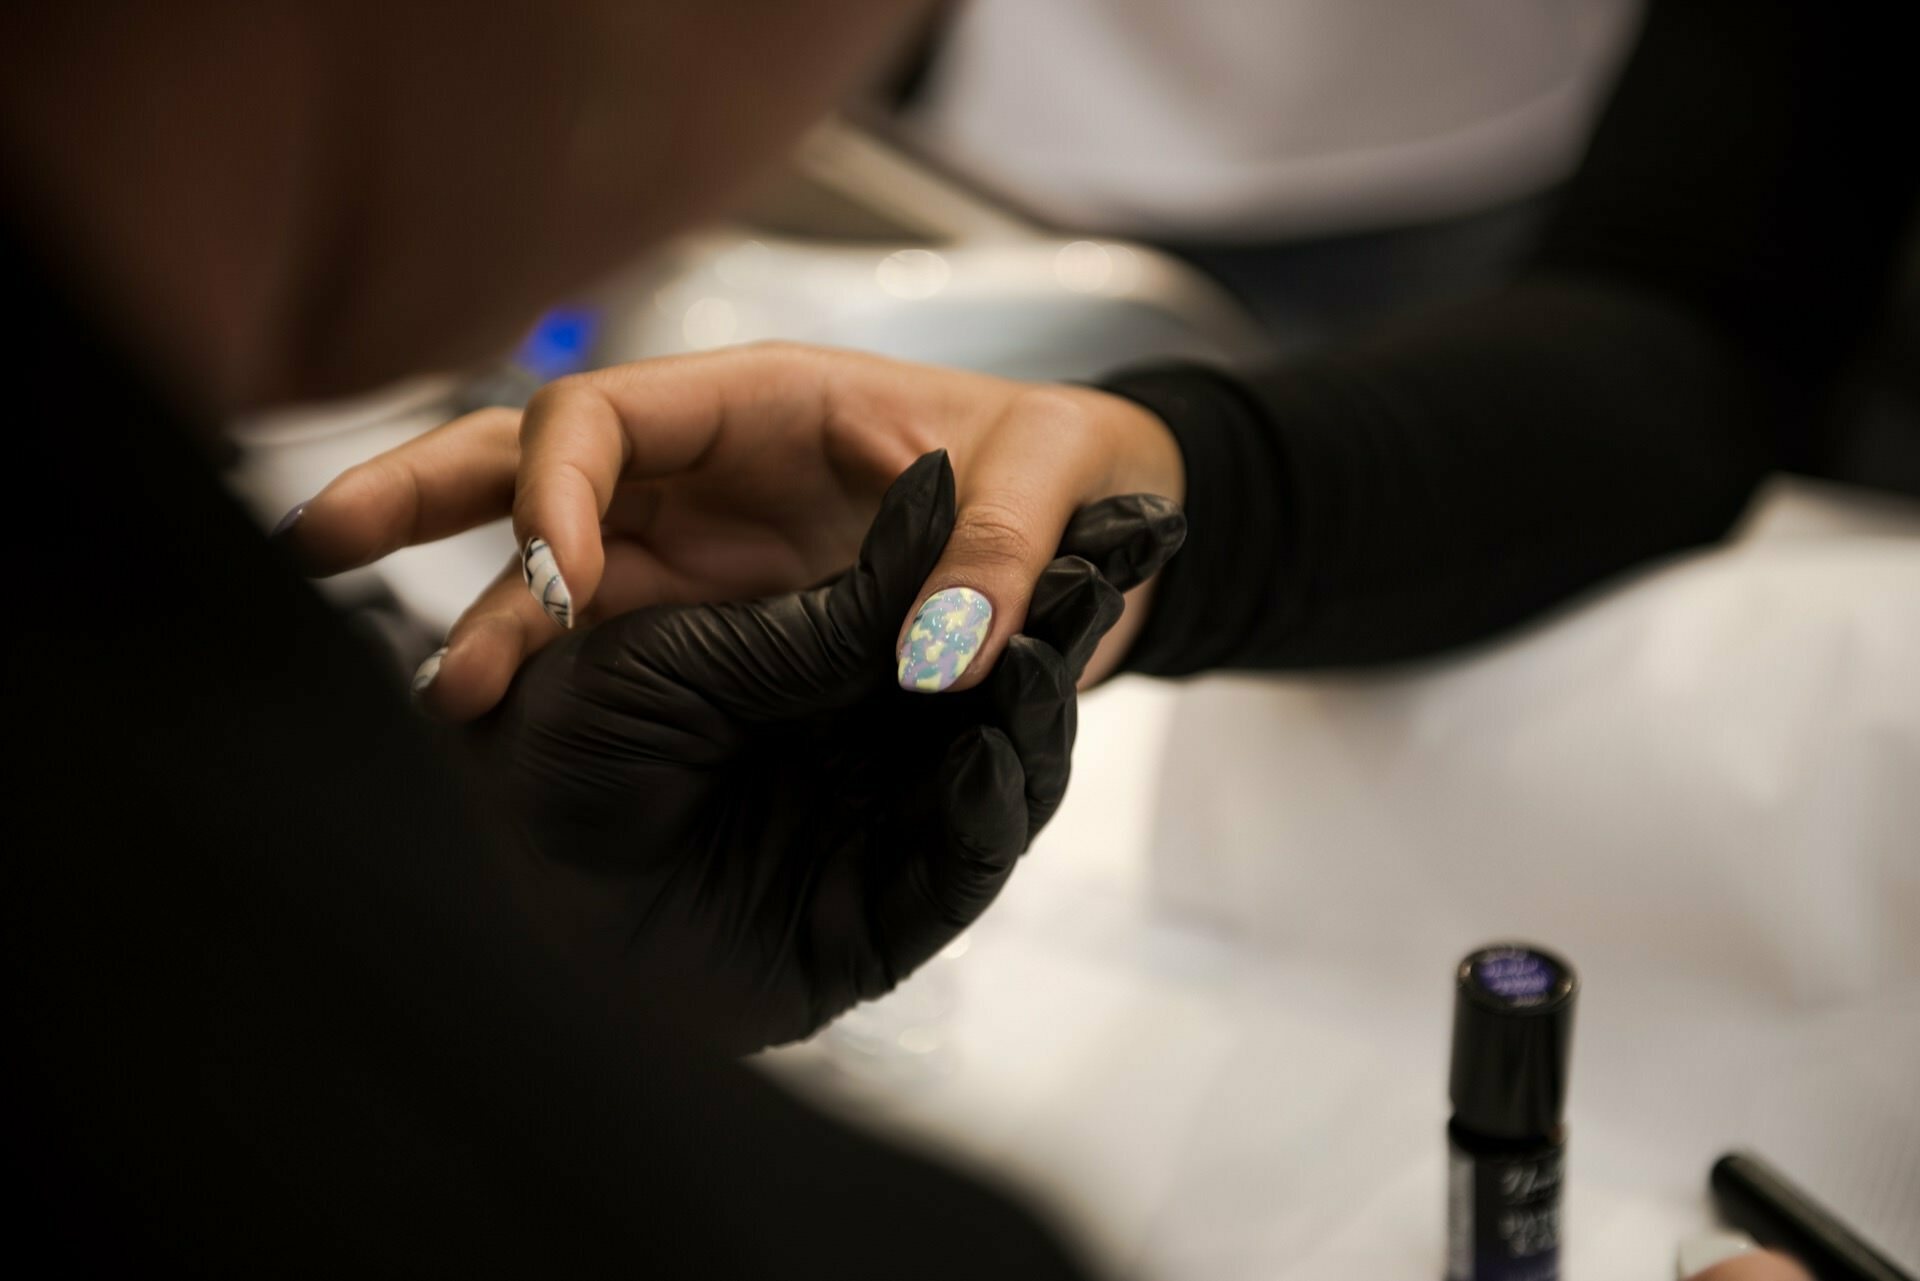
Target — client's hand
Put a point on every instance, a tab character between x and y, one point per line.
770	816
732	475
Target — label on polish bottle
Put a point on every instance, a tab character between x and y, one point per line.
1503	1215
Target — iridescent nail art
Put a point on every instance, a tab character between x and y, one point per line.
425	674
943	639
542	573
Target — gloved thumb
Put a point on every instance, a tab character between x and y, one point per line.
908	534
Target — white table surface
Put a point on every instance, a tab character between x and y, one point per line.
1208	1021
1195	1104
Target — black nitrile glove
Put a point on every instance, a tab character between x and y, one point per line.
764	814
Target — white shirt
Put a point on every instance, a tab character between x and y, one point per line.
1262	119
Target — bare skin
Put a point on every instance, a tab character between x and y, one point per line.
1759	1266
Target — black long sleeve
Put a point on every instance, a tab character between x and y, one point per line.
1709	270
283	999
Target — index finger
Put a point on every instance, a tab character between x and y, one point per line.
441	483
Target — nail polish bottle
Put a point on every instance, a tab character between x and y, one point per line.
1506	1145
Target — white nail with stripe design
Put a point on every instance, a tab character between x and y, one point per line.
428	672
542	573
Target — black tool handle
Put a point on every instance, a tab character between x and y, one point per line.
1761	1201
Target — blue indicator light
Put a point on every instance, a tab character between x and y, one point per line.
560	344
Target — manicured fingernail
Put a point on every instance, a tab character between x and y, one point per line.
943	639
1698	1253
289	520
429	671
543	580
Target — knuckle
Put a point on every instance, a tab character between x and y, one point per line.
388	489
541	407
554	397
775	349
370	473
483	422
777	359
1050	409
496	423
995	535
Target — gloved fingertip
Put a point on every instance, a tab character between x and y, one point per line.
986	794
944	502
926	487
1156	511
1160	529
1073	606
923	473
1035	701
1110	604
983	755
910	529
1169	522
1128	537
1033	689
903	544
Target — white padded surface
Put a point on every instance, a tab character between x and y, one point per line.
1208	1022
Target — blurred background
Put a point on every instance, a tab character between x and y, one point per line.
1208	1022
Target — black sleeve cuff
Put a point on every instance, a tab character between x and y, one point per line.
1227	578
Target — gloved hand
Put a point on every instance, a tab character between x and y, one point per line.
767	815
